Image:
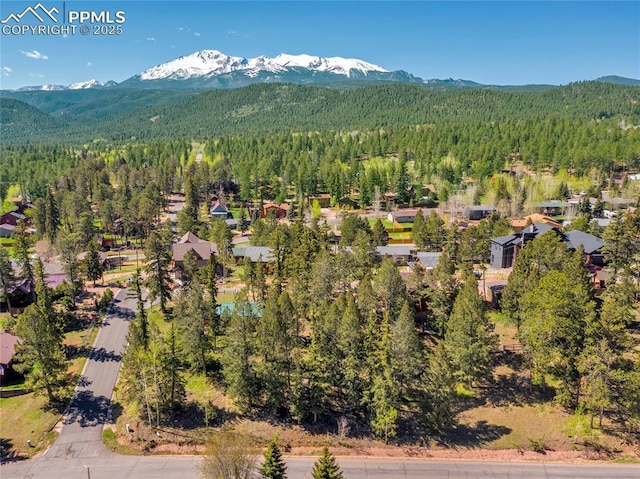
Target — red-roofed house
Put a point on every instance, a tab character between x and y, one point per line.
8	343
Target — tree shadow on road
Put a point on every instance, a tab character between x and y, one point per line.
88	410
102	355
7	453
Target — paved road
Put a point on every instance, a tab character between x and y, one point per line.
181	467
81	434
79	443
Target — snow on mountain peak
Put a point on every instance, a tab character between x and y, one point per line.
338	65
86	84
208	63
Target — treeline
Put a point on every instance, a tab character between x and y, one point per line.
275	166
272	108
324	333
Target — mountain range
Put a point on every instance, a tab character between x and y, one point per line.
213	69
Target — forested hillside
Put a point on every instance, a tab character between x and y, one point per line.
278	108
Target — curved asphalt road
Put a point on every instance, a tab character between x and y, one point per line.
78	452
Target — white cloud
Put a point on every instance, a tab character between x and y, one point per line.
196	34
36	75
151	39
6	71
35	54
89	64
232	33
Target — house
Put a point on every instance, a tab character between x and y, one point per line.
262	254
235	224
276	210
478	212
220	210
592	245
504	249
346	203
105	243
553	207
494	293
7	231
519	225
8	343
324	200
201	249
12	218
403	215
428	260
105	261
398	253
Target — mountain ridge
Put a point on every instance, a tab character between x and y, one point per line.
207	69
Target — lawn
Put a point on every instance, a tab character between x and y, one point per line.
28	417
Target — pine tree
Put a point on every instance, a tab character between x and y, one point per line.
468	339
238	370
195	329
158	253
21	252
41	353
380	233
273	466
326	467
7	278
559	315
350	344
92	264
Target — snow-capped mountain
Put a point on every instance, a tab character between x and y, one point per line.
43	88
210	63
85	85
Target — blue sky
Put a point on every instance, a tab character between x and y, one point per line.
489	42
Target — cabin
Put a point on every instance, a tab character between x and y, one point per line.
347	203
8	343
403	215
278	211
552	208
519	225
478	212
428	260
220	210
12	218
7	231
256	254
324	200
400	254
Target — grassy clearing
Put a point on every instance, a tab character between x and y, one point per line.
536	427
27	418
